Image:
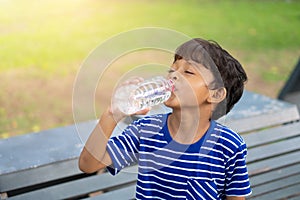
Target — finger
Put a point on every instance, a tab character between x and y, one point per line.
132	81
135	80
143	112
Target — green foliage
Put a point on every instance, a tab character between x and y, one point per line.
56	36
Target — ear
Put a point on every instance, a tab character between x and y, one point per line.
217	95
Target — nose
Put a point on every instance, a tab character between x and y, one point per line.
174	76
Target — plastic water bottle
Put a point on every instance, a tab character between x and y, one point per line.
135	97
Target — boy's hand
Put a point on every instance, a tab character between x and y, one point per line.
118	115
115	111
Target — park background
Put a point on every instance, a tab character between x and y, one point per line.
44	43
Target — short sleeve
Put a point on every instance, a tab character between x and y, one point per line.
237	180
123	149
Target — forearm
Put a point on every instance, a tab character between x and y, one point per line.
94	155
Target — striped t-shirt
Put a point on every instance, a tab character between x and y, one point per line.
212	168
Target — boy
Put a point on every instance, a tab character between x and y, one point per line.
185	154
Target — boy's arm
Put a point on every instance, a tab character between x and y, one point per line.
94	155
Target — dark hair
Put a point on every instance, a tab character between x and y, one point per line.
228	72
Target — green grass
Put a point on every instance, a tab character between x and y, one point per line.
54	35
42	43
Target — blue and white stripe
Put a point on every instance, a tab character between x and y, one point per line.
211	168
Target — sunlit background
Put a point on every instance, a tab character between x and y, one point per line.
43	43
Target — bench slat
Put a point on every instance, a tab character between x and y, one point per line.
123	193
267	120
274	175
80	187
281	193
273	149
273	163
272	134
276	185
38	175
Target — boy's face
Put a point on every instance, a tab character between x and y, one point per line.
190	80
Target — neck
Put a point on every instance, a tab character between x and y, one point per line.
188	125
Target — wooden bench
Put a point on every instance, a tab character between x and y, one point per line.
44	165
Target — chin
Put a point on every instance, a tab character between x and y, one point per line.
172	102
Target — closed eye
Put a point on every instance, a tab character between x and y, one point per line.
189	72
171	70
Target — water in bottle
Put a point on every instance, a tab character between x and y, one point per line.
135	97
